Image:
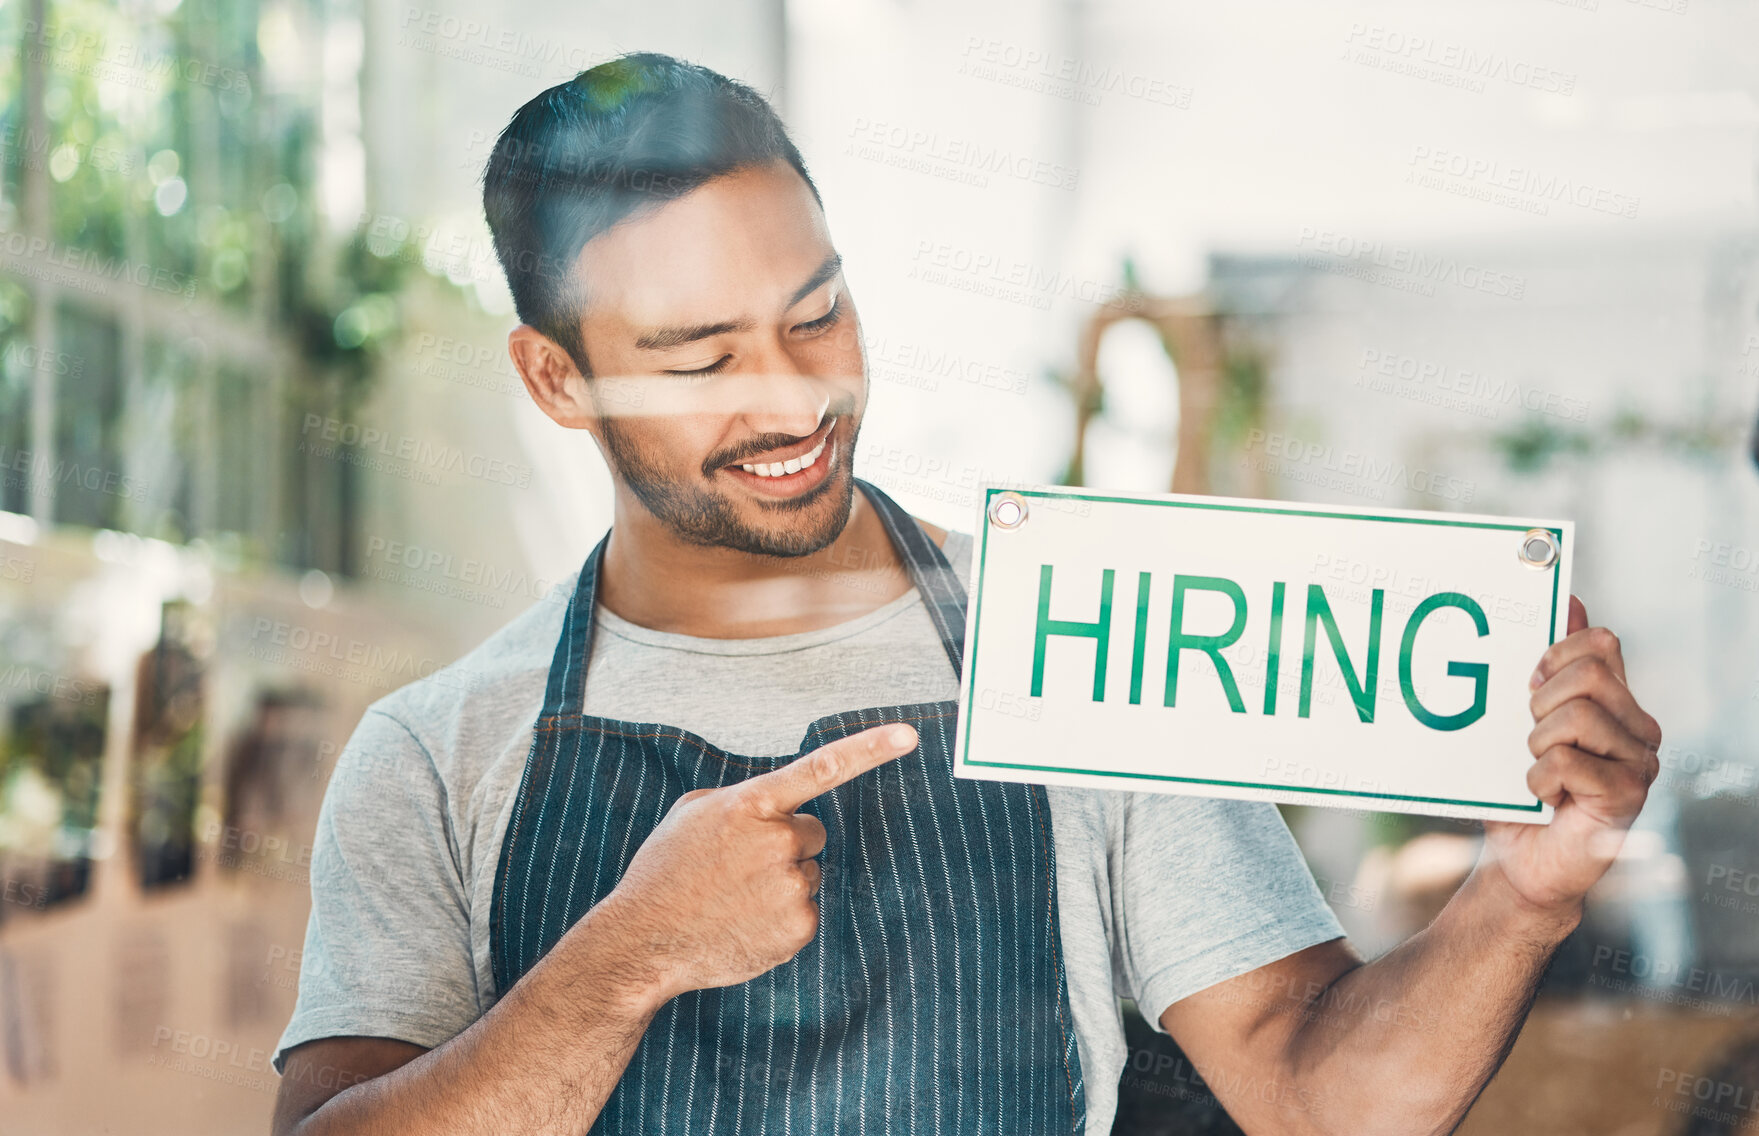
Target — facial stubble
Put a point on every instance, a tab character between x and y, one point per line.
699	515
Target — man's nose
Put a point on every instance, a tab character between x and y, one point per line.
782	397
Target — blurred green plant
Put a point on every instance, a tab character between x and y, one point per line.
51	757
1535	443
345	322
1245	386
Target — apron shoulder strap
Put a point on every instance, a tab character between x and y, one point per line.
565	692
942	590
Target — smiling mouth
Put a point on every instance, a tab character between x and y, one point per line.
792	464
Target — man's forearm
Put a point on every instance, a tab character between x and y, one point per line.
1406	1043
544	1059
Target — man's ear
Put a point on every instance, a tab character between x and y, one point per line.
551	378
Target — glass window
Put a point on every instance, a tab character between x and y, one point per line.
18	362
241	481
165	430
88	470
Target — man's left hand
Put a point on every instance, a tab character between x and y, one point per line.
1596	758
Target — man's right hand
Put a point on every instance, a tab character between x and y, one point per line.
725	887
722	890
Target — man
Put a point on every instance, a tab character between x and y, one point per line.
681	851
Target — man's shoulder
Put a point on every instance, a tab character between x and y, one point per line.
957	549
495	686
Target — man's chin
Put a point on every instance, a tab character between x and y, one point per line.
721	516
800	526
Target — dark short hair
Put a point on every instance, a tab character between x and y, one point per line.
633	132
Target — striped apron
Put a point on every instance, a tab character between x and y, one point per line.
932	999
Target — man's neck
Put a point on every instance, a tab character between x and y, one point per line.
654	580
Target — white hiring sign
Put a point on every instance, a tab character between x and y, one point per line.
1228	647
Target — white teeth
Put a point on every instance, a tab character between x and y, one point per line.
792	465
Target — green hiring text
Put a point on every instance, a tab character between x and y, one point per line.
1362	687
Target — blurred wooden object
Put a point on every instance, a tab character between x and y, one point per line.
1190	331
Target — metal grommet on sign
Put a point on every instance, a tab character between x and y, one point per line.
1538	548
1007	510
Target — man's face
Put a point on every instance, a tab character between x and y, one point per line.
726	312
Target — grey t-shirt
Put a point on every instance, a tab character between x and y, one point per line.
1159	896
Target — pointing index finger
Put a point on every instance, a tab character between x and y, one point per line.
784	790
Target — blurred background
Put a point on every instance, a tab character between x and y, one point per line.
263	457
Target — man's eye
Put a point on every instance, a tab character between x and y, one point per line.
716	367
825	320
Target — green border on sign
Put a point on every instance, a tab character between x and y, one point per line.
977	619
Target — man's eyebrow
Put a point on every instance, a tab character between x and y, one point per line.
662	338
833	264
